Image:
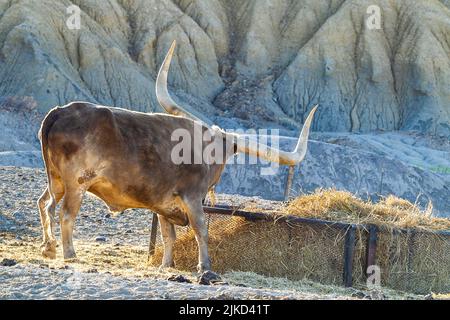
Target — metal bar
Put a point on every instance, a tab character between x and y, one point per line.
349	250
371	249
251	216
443	233
153	233
255	216
290	178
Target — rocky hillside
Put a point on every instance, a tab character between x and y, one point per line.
256	60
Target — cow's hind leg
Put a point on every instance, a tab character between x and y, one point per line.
47	206
69	210
168	236
43	199
196	217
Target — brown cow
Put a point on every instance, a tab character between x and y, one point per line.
125	159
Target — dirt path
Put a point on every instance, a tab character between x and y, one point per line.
31	282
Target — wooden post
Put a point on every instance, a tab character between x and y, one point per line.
153	234
289	180
371	249
349	250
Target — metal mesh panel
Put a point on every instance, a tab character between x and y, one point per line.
414	261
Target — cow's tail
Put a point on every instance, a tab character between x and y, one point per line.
46	126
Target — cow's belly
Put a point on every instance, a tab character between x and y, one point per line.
116	200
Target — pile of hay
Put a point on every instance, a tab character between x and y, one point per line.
343	206
315	252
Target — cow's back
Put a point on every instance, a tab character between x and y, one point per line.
123	157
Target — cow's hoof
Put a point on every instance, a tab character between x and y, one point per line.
48	250
70	256
209	277
48	253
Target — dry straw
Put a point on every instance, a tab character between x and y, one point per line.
343	206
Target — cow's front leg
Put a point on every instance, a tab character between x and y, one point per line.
168	236
69	210
197	222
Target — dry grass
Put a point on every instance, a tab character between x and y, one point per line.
343	206
123	260
259	281
444	296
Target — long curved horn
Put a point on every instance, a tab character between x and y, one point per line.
275	155
162	94
260	150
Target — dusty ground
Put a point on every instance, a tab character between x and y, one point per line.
112	257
